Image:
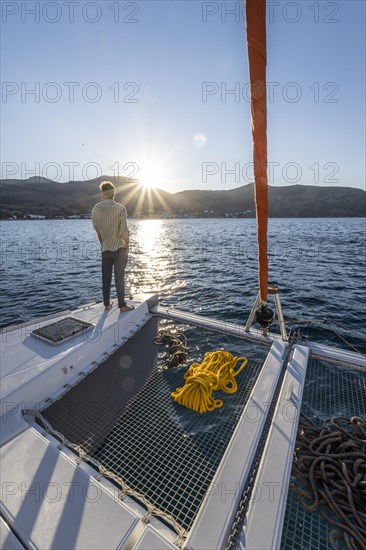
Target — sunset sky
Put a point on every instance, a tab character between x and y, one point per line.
143	89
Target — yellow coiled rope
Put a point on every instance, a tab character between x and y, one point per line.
216	372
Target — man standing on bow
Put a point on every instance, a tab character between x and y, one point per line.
109	220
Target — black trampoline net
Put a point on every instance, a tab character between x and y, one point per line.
330	391
122	414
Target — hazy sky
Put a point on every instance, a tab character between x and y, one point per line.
142	88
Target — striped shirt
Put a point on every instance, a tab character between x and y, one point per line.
109	220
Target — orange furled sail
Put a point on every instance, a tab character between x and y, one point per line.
255	11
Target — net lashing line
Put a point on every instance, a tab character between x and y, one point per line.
216	372
177	347
329	323
104	472
330	466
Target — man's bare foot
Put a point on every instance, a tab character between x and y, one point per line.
126	308
107	308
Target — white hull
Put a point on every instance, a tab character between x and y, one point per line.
34	373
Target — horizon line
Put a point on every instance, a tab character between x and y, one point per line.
42	179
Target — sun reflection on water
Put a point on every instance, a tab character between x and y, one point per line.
150	260
148	236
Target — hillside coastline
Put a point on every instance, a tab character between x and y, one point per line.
39	198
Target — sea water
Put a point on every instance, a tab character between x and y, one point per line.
205	266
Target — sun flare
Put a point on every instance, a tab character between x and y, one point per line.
146	197
146	192
151	175
146	184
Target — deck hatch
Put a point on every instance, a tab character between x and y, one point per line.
329	391
122	415
62	330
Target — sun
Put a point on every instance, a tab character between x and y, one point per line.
147	184
148	194
151	175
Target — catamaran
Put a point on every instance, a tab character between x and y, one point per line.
95	453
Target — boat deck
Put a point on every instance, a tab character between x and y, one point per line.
25	358
159	448
97	409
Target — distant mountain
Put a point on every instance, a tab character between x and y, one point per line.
39	179
41	196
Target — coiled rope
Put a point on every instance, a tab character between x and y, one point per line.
330	463
177	347
216	372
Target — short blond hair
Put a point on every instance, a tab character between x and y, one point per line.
107	188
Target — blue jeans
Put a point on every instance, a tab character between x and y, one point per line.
118	261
